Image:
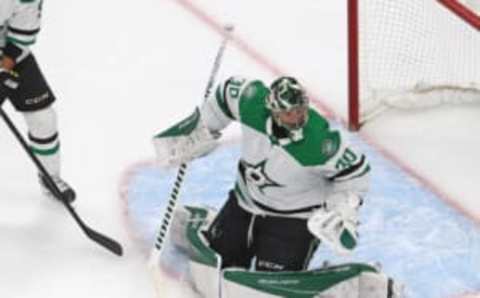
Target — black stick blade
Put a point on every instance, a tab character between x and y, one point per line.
104	241
101	239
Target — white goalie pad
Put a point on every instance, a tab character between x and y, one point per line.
354	280
186	235
184	141
343	281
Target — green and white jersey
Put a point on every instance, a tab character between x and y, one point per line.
276	175
19	25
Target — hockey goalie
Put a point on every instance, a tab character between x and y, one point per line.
298	186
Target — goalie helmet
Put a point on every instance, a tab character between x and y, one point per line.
288	103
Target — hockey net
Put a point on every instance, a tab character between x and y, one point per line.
407	55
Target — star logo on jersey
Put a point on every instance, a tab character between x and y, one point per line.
256	175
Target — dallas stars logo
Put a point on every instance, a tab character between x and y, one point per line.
256	174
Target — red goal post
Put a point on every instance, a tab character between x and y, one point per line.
410	54
467	11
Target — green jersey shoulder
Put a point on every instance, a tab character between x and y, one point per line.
244	100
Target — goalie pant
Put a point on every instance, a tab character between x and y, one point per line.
277	243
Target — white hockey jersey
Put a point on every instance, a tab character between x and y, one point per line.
19	23
276	175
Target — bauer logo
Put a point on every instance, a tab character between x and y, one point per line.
279	281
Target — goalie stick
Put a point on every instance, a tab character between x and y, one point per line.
172	202
103	240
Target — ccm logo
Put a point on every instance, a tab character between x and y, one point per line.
37	99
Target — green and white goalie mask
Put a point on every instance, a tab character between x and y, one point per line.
288	104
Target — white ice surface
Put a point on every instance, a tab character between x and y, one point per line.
122	70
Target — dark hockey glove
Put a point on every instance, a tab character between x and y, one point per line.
8	83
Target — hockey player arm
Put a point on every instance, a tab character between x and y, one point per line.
336	224
23	27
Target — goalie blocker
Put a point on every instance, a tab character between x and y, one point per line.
353	280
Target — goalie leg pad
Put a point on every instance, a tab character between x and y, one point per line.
378	285
342	281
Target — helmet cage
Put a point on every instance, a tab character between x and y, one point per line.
286	95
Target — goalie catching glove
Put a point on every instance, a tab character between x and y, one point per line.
184	141
336	224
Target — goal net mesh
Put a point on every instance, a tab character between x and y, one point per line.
415	54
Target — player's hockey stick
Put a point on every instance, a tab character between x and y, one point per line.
172	202
103	240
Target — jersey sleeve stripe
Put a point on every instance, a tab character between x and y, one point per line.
363	173
357	174
350	170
